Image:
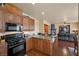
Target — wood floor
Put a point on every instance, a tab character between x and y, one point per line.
60	49
35	52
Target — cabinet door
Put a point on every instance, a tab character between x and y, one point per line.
40	44
29	44
3	48
17	19
9	18
1	21
46	46
25	24
35	43
31	24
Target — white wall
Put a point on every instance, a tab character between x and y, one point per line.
36	26
41	26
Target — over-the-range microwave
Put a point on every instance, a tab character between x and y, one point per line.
13	27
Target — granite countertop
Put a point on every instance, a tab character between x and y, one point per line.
30	36
6	33
42	37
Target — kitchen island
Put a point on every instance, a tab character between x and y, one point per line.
43	44
46	46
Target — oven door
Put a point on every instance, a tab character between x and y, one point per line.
17	50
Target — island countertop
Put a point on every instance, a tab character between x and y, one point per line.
40	37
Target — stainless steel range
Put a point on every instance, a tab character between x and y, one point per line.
16	44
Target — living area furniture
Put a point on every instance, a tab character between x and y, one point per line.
64	33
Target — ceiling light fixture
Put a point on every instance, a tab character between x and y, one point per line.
33	3
42	12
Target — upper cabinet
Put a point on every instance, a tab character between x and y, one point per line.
9	17
28	24
12	8
14	14
12	18
31	24
2	11
1	20
25	23
11	14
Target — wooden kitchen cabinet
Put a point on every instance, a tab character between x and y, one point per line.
8	17
39	44
46	46
31	24
13	14
29	44
2	24
3	48
13	9
18	19
42	45
12	18
28	24
25	24
1	21
35	43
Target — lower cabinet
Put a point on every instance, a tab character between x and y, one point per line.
46	46
42	45
29	45
37	44
3	49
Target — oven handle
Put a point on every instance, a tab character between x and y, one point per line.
16	45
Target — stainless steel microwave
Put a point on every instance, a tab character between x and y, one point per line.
13	27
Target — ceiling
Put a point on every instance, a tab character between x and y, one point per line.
52	12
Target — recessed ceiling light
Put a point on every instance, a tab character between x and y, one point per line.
33	3
42	12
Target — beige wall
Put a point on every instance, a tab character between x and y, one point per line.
36	26
41	26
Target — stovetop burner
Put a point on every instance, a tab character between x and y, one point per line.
14	39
